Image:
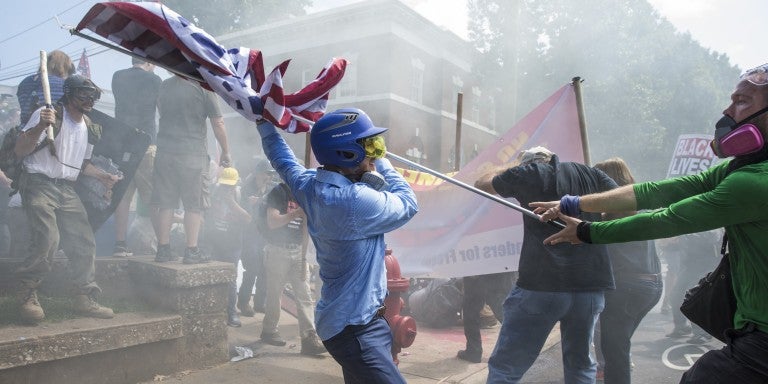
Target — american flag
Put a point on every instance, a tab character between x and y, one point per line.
83	67
154	31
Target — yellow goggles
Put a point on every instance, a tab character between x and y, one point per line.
375	147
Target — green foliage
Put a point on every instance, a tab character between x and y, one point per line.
223	16
644	82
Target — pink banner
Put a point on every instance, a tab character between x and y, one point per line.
459	233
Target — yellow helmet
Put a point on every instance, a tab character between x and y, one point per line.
229	176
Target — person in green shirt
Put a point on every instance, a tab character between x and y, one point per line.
730	195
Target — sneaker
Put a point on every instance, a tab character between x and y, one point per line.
195	256
472	357
164	254
311	344
246	310
680	332
29	308
121	250
273	339
699	339
87	306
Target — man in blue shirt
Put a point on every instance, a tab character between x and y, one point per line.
349	207
30	90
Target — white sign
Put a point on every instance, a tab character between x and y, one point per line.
692	155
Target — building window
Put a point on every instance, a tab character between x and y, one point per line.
307	76
475	111
348	85
417	80
415	151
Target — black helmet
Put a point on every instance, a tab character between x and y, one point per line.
75	82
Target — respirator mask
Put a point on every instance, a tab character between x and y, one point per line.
737	139
741	138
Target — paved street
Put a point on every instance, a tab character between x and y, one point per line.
431	359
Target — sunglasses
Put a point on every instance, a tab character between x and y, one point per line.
757	75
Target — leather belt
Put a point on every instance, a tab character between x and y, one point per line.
290	246
651	277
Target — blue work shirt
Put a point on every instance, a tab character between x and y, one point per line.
347	222
30	94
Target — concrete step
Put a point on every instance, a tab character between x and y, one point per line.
28	345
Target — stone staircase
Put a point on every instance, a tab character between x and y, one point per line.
183	327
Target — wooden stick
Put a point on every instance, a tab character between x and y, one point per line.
46	96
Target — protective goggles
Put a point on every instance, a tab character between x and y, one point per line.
374	146
757	75
87	94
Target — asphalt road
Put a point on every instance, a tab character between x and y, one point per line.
657	358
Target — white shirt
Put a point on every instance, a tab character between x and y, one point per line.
71	146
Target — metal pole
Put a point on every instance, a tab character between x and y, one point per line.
129	53
472	189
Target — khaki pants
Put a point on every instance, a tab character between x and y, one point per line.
57	218
284	265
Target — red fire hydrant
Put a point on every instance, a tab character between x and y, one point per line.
403	327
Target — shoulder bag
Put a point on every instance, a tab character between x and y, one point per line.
711	304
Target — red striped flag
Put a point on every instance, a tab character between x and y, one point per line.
312	100
273	97
83	67
154	31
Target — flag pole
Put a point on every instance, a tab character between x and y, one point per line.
129	53
310	122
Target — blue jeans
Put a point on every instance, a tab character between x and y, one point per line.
365	353
625	308
529	317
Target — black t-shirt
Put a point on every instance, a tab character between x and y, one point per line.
561	267
136	92
279	198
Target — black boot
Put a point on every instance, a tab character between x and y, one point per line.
233	320
472	356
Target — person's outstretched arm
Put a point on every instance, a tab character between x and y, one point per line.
621	199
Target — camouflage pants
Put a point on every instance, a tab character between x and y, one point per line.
56	217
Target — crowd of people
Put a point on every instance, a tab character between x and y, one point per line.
581	277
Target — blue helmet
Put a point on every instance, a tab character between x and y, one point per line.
335	137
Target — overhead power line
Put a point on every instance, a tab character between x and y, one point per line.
41	23
26	71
